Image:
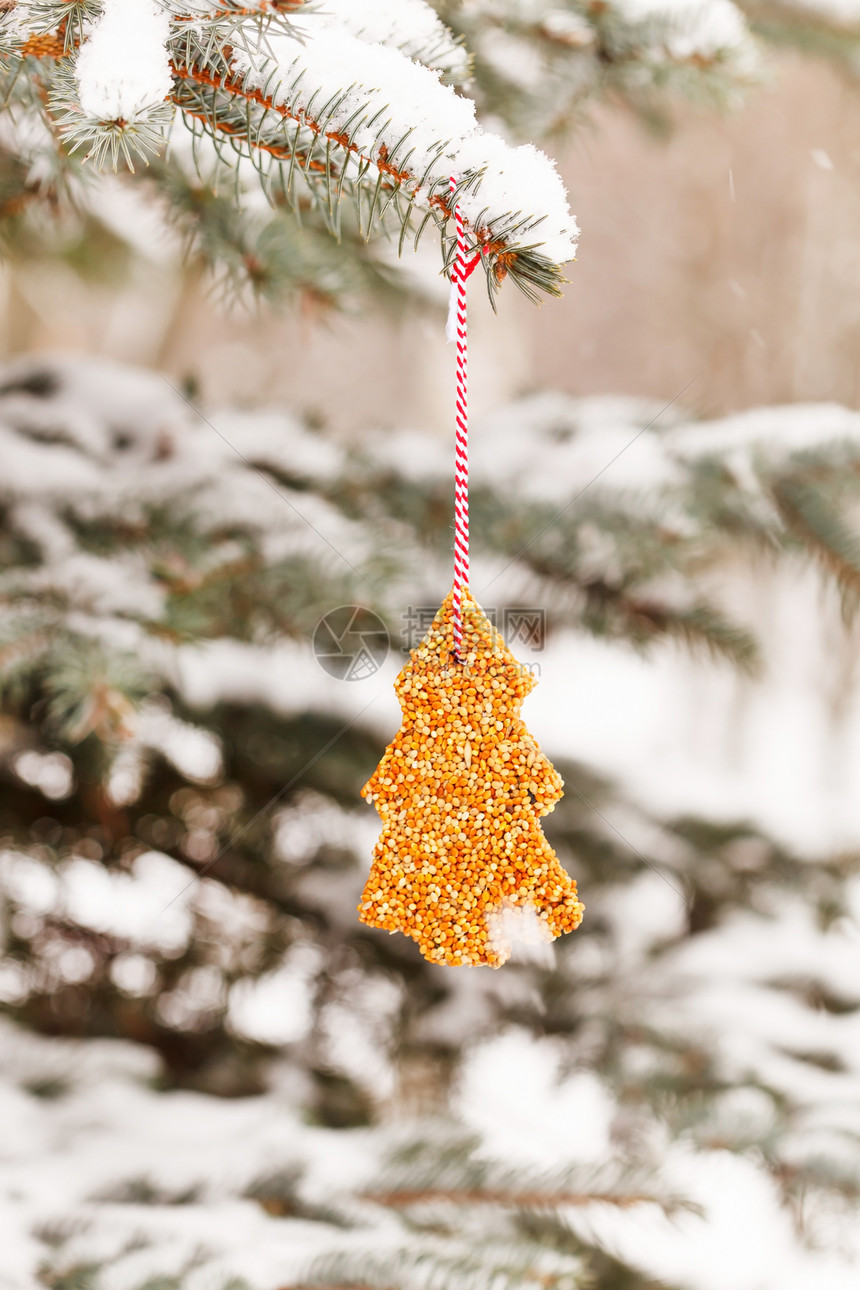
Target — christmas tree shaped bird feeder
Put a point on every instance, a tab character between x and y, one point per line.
460	792
461	860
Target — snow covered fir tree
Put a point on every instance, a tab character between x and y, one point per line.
214	1075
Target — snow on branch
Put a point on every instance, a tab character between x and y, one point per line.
541	66
410	26
362	116
691	28
334	102
124	68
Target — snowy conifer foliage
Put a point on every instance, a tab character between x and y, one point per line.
303	104
213	1076
351	117
183	846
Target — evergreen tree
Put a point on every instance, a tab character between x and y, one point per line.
142	774
147	549
287	178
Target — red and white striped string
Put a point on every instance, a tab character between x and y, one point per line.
457	331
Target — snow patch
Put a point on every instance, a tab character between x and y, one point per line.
123	67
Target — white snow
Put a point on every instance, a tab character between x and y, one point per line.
66	1162
51	773
410	26
128	441
123	66
692	26
425	126
62	1160
149	906
276	1007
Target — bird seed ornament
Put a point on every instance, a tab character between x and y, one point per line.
461	864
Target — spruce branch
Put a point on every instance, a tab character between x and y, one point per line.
456	1173
649	59
57	27
111	143
615	613
447	1265
810	516
94	691
333	164
241	80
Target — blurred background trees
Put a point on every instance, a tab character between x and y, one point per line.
183	843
